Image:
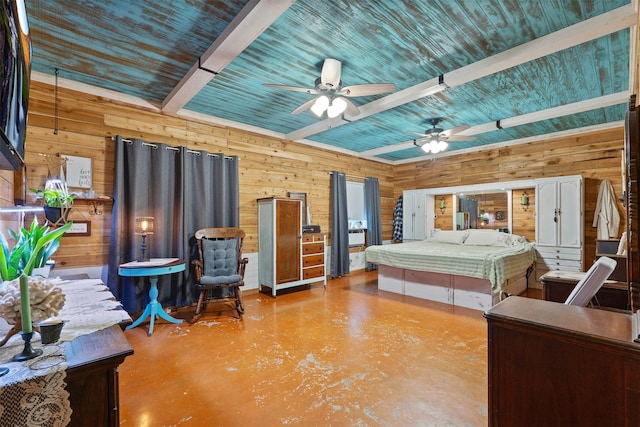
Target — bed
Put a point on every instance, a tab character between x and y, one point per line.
471	268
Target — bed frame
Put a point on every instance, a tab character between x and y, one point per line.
456	290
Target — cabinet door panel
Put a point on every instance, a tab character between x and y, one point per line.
546	212
420	225
288	228
570	207
414	220
408	214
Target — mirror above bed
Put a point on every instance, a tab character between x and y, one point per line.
498	208
489	211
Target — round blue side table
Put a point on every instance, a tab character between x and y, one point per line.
152	269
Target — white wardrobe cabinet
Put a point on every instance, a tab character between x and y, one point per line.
559	223
287	258
417	215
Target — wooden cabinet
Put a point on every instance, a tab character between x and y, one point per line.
557	285
286	258
92	376
556	365
313	250
609	248
414	222
559	223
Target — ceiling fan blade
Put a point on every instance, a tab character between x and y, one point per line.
456	129
304	106
351	109
368	89
460	138
331	72
293	88
424	135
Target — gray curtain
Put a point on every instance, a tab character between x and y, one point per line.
471	206
339	226
372	214
184	190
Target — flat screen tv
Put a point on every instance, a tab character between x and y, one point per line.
15	77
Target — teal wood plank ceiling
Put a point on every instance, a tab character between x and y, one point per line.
146	49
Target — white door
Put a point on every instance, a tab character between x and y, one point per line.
420	218
570	211
429	215
414	220
408	214
546	213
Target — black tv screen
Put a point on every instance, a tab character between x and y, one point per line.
15	76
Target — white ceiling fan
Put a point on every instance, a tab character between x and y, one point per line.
434	140
332	97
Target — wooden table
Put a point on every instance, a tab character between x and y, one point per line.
552	364
152	269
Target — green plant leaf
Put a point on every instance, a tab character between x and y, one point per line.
4	254
42	241
34	246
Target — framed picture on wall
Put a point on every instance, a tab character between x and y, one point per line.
80	228
77	171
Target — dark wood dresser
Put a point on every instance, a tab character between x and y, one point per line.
92	376
556	365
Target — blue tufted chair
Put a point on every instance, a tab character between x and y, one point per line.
220	267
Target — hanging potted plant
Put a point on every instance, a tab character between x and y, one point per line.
56	201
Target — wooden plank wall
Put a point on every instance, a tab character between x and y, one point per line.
270	166
596	156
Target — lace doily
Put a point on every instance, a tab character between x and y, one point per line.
33	392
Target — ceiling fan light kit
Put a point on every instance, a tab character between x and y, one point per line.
332	97
333	107
434	146
337	107
434	139
320	106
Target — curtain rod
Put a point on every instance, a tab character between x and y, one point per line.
351	176
148	144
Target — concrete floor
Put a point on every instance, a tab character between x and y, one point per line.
347	355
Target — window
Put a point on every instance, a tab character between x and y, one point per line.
355	205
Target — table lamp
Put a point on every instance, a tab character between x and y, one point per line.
144	227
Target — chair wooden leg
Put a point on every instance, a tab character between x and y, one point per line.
200	300
239	303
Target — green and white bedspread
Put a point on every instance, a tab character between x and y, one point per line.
494	263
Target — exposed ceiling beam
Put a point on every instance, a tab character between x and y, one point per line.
255	17
550	113
574	35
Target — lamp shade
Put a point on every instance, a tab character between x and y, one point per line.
144	225
320	105
337	107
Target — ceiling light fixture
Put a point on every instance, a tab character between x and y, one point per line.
337	107
319	107
434	146
333	107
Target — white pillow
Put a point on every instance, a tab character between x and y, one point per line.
488	238
455	237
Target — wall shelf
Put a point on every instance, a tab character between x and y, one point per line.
96	205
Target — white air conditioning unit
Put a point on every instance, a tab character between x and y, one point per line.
356	237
